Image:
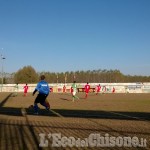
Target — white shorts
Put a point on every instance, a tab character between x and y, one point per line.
73	93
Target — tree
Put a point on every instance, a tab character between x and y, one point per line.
26	75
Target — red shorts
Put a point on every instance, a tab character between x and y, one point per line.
25	91
86	91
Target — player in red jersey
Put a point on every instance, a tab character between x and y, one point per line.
71	91
113	90
87	89
97	89
64	89
25	89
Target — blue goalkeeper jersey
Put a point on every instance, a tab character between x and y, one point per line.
43	87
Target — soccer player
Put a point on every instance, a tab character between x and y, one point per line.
25	89
64	89
44	90
113	90
87	89
104	89
71	90
97	89
74	91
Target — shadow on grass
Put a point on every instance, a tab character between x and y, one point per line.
76	113
16	130
65	99
80	114
104	114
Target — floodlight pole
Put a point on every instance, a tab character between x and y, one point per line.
2	58
65	78
57	78
74	76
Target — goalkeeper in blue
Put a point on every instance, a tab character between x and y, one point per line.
43	91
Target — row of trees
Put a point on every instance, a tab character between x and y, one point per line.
29	75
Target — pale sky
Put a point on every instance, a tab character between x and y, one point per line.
72	35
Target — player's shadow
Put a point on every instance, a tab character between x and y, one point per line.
65	99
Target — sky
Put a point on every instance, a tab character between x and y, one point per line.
75	35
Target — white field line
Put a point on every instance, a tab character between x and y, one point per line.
24	113
120	114
54	112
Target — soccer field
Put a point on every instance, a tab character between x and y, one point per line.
116	115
